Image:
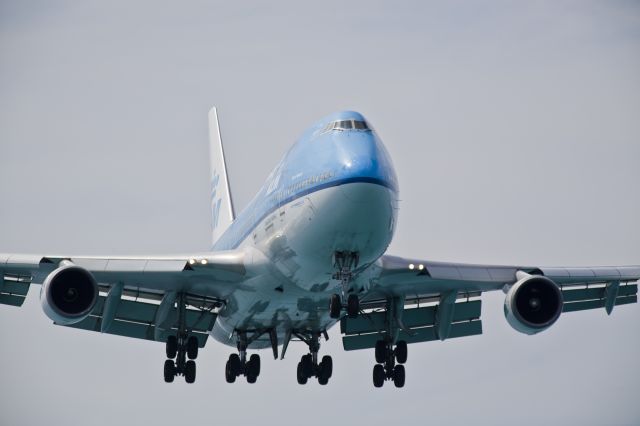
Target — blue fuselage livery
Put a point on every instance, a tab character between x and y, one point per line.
334	191
318	160
307	253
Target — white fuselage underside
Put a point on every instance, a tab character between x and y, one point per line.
298	241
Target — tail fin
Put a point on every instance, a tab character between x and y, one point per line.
222	213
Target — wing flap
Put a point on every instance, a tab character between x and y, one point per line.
419	324
13	289
411	318
580	299
595	304
424	334
130	329
136	318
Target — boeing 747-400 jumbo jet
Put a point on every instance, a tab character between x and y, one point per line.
306	254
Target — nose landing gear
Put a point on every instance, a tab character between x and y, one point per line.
345	262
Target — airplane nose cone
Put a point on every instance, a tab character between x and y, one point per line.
364	159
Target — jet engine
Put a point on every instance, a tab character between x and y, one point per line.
68	294
532	304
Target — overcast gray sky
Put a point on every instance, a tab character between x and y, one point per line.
515	131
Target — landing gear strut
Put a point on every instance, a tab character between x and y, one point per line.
345	262
180	347
309	366
386	367
239	365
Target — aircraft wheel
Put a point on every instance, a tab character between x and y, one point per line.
192	347
169	370
307	365
401	352
381	351
190	372
234	361
302	379
335	306
353	306
254	364
172	347
326	366
398	376
229	372
251	378
378	375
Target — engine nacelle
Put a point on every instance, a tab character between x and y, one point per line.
533	304
68	294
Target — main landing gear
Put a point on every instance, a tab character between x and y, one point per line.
180	347
345	262
239	365
386	367
309	366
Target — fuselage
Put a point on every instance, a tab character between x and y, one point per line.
335	190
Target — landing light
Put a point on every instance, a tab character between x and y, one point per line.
203	261
421	267
411	266
192	261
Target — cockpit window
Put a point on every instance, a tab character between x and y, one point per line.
360	125
345	125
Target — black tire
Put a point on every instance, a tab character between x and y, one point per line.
323	380
398	376
381	351
401	352
190	371
229	372
254	365
234	362
251	378
192	347
335	306
326	366
302	379
172	347
378	375
353	306
169	371
307	365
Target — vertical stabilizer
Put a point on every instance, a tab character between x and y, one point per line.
222	213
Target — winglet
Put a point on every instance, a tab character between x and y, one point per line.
222	213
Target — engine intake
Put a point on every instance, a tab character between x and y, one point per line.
69	293
533	304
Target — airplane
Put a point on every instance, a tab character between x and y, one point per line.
306	254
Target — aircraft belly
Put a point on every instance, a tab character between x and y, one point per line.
356	217
298	241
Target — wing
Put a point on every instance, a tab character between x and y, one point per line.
418	300
137	295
